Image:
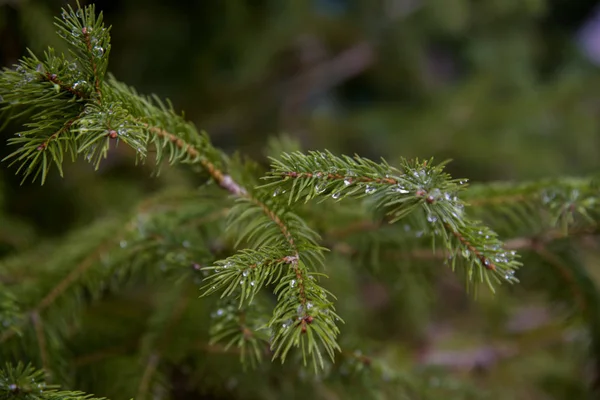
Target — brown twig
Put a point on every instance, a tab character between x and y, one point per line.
88	43
41	339
145	381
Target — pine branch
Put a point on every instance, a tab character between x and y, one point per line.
22	382
419	188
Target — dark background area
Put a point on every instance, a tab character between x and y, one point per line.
502	87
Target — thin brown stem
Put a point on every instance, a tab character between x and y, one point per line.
223	180
148	372
485	261
41	339
88	43
64	87
56	134
338	177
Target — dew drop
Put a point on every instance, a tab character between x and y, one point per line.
320	187
466	253
79	84
123	244
309	305
12	386
432	218
276	192
336	195
370	189
293	283
220	312
98	51
400	189
245	273
509	275
252	283
186	243
347	181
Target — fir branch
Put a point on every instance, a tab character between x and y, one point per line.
563	202
26	383
240	326
89	40
419	187
278	238
137	230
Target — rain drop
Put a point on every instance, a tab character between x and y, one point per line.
98	51
276	192
509	275
336	195
466	253
309	305
400	189
245	273
347	181
370	189
432	218
79	84
320	187
252	283
293	283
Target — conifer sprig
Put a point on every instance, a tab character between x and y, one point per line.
22	382
419	187
283	251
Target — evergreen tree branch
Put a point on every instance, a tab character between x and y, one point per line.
22	382
418	187
41	339
584	291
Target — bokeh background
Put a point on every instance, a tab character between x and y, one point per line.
508	89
